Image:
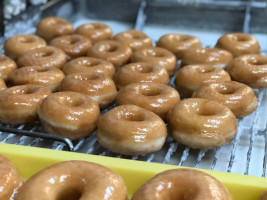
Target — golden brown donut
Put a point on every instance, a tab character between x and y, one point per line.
131	130
49	77
45	56
217	57
69	114
2	84
191	77
178	43
134	39
156	55
74	180
10	180
19	104
89	64
250	70
157	98
202	123
112	51
19	44
239	44
141	72
186	184
264	196
51	27
95	31
7	65
237	96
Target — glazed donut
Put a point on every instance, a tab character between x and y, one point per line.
134	131
264	196
239	44
191	77
89	64
2	84
112	51
19	104
217	57
51	27
73	45
19	44
74	180
237	96
156	55
95	31
49	77
202	123
69	114
250	70
141	73
157	98
99	87
178	43
45	56
6	66
134	39
182	184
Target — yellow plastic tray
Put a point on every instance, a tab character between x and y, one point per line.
29	160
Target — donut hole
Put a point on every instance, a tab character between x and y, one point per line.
206	70
90	63
206	112
226	90
133	116
56	22
153	53
241	38
72	40
178	38
26	39
143	69
150	92
25	90
86	77
71	101
255	61
108	48
96	26
41	69
43	54
70	194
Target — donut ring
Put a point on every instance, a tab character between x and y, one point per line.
134	39
141	73
51	27
49	77
182	184
45	56
202	123
74	180
156	55
19	44
69	114
178	43
239	44
6	66
73	45
89	64
2	84
157	98
191	77
237	96
217	57
95	31
250	70
19	104
134	131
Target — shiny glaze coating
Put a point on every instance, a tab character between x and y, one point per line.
2	84
202	123
217	57
49	77
141	72
10	180
134	39
178	43
51	27
69	114
19	104
191	77
7	65
95	31
239	97
19	44
45	56
74	180
250	70
131	130
89	64
157	98
239	44
156	55
186	184
97	86
112	51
